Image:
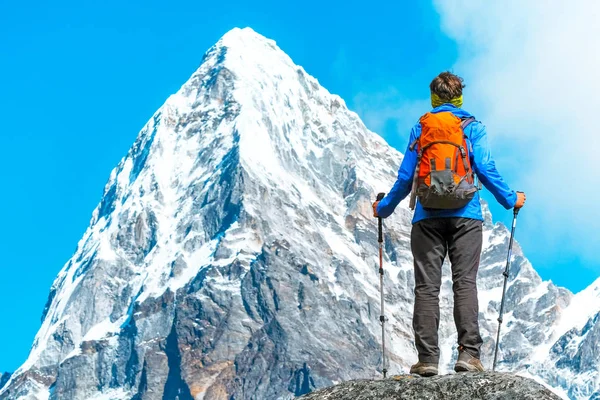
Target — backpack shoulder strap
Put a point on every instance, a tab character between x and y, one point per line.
416	141
413	144
465	122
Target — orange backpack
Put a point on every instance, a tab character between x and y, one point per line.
443	177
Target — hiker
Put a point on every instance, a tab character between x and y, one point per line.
447	150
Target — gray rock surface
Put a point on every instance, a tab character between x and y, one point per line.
485	386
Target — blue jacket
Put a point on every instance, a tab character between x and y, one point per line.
481	160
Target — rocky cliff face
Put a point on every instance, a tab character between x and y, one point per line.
234	256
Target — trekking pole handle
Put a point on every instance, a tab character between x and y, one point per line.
380	197
516	210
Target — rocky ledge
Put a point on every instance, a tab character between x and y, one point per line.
487	385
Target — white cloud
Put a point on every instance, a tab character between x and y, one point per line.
532	71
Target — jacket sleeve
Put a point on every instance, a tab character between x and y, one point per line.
485	168
403	184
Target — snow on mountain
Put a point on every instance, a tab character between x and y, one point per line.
234	255
573	348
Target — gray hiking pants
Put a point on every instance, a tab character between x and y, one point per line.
431	240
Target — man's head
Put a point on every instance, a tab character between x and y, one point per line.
446	88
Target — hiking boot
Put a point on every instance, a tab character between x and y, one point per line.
424	369
467	363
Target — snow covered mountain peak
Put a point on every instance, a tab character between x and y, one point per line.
245	47
251	156
254	59
234	255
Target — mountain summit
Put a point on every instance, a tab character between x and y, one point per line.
234	256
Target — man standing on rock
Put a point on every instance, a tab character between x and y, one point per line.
447	149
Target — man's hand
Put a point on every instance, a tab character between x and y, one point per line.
520	200
375	209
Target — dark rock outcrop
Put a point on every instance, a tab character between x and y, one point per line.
4	378
488	386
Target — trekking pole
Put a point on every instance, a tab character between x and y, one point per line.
505	273
380	196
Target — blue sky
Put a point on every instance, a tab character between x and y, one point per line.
79	79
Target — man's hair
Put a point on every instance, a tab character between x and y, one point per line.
447	86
